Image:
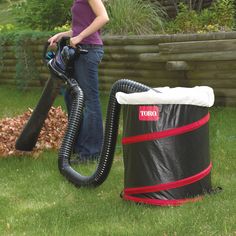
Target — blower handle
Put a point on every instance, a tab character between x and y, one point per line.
64	41
48	55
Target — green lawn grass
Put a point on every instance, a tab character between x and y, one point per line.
36	200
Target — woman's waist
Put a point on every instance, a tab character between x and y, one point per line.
93	39
90	45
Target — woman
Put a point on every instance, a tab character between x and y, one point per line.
88	17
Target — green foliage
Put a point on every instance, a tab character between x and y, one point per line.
134	17
26	69
223	13
21	41
218	17
43	15
186	21
126	16
6	16
1	56
234	9
6	28
61	28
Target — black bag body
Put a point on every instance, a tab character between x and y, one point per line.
166	153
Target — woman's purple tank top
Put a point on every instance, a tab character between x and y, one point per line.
82	17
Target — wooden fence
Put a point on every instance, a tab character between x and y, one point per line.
159	60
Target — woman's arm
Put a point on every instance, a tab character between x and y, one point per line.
100	20
58	36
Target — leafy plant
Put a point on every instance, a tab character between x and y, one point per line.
218	17
43	15
223	12
7	28
134	17
186	21
25	67
192	4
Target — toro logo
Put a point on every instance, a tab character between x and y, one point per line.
148	113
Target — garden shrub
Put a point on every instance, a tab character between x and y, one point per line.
126	16
26	69
130	17
134	17
218	17
234	15
42	15
6	28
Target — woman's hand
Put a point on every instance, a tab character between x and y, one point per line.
54	39
75	40
57	37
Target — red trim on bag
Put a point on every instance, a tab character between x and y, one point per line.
166	133
158	202
170	185
166	186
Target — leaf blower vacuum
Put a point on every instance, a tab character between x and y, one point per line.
60	65
165	143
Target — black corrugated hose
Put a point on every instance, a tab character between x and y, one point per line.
110	135
60	65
